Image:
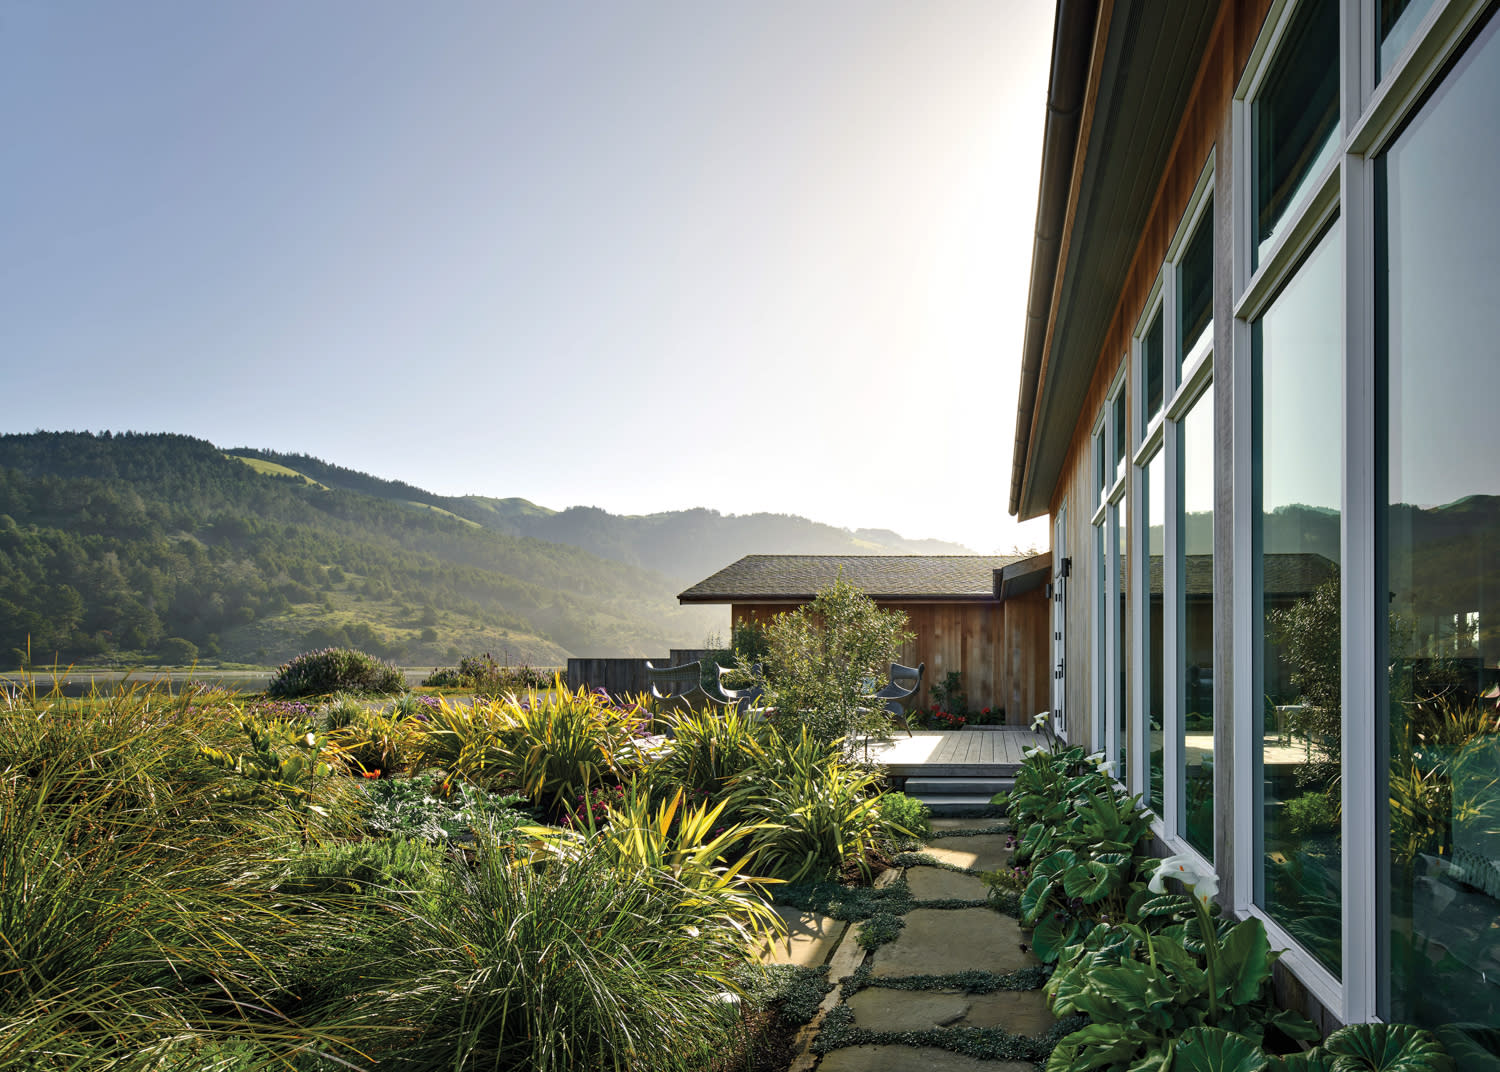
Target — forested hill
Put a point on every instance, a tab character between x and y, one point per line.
685	545
163	544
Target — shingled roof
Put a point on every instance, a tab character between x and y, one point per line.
776	578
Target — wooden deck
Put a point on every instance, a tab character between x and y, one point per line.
988	752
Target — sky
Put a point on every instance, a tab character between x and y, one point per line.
754	256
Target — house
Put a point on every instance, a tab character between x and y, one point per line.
984	616
1261	342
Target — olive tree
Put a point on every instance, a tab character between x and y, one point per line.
824	659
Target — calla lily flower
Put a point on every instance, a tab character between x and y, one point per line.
1032	751
1184	868
1040	721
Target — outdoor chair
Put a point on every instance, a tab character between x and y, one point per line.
742	700
673	685
904	683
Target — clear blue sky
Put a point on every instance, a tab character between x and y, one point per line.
746	255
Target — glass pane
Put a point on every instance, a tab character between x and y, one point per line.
1120	434
1294	116
1151	368
1195	288
1195	587
1101	470
1122	618
1436	236
1298	368
1101	632
1154	487
1398	20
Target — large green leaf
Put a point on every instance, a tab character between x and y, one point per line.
1386	1048
1210	1049
1034	898
1245	961
1096	1046
1472	1046
1088	880
1052	936
1311	1061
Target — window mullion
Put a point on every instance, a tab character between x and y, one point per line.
1173	648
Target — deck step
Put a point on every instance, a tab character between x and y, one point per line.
929	786
949	805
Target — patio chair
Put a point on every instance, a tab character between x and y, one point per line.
740	699
904	683
673	685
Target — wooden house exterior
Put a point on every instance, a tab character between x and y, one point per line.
1261	306
983	616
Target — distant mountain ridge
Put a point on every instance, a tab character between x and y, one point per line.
685	545
122	546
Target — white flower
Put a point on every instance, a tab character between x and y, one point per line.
1184	868
1040	721
1097	760
1031	752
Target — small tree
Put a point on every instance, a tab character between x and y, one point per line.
824	660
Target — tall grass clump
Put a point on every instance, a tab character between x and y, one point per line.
334	669
137	924
567	963
709	750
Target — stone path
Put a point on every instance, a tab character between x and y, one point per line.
899	1008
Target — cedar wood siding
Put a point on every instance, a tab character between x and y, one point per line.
999	647
1204	128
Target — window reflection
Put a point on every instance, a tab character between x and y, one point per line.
1195	587
1436	239
1298	362
1195	288
1154	488
1294	117
1152	369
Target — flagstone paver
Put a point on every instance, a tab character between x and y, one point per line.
981	852
808	940
864	1031
938	884
938	941
912	1059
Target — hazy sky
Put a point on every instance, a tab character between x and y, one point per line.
746	255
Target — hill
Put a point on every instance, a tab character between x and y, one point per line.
685	545
115	545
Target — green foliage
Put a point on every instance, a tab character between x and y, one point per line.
906	815
709	750
409	808
1356	1048
822	813
333	669
570	963
949	694
394	867
177	651
484	676
824	659
284	762
1313	814
374	742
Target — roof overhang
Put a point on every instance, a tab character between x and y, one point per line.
1121	76
1024	576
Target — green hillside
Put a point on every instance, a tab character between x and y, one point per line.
119	545
685	545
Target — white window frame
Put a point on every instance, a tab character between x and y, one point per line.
1371	115
1180	394
1106	631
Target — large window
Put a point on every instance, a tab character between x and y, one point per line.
1295	116
1297	365
1195	608
1438	277
1154	489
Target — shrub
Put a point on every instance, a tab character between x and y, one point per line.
573	963
824	659
820	811
906	815
332	669
175	651
709	750
393	867
486	677
409	808
374	743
